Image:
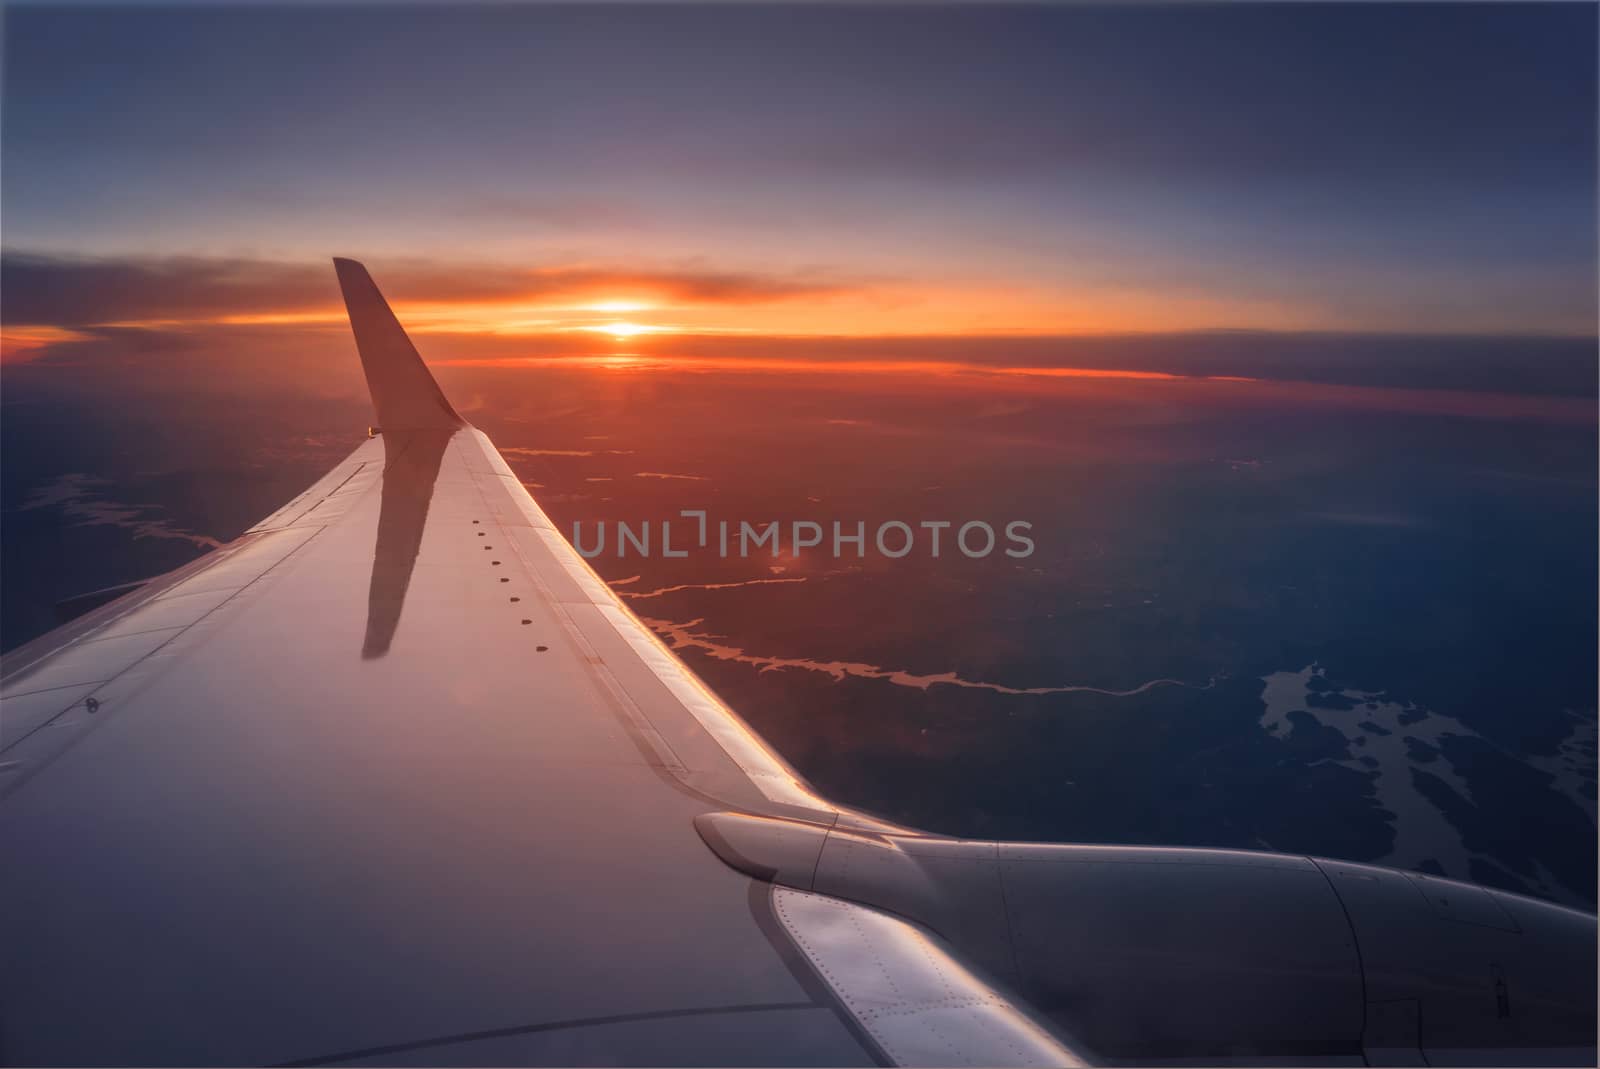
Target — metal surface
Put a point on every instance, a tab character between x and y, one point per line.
1151	954
404	395
917	1000
1460	975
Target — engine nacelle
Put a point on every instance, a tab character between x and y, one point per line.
1150	954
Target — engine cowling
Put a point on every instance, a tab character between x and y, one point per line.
1153	954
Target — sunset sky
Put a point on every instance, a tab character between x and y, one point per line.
619	174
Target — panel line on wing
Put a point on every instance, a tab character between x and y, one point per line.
545	1026
906	987
657	750
103	674
334	481
569	581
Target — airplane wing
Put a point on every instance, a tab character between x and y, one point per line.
394	778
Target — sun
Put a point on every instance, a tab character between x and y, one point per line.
623	329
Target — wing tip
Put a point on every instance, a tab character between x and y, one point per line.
404	393
351	272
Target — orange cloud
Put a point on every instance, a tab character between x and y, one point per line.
502	300
25	342
60	291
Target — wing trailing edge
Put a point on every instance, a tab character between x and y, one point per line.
404	394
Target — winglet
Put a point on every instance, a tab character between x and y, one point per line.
403	391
